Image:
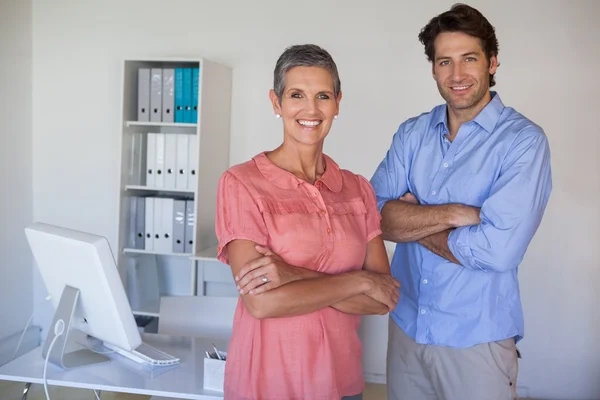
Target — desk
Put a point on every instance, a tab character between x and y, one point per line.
183	381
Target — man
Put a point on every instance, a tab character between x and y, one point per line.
462	190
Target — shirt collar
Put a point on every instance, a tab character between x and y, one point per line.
487	118
332	178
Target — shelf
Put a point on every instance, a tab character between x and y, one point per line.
149	310
155	189
163	124
156	253
209	254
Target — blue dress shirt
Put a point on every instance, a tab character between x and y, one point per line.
500	162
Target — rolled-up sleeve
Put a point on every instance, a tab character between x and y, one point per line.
389	180
237	216
512	213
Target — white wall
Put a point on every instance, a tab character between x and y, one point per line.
549	56
15	168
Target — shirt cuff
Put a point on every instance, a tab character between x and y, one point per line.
460	246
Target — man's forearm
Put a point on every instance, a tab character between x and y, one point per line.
406	222
438	244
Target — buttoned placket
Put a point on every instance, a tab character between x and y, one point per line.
315	194
426	285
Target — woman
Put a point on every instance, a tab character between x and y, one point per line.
303	241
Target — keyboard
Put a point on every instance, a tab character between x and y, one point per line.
146	354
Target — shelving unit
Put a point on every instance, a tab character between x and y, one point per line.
150	273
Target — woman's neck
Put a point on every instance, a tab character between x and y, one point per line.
305	162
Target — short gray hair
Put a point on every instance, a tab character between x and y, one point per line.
305	55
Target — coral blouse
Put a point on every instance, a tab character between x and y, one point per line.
323	227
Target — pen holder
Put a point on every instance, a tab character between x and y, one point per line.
214	373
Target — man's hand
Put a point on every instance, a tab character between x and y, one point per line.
409	198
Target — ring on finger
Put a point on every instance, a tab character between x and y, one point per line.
264	278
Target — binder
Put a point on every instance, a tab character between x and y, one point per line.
166	232
179	95
149	224
181	181
151	160
156	94
168	95
135	167
187	95
159	156
157	221
143	112
140	223
192	162
178	226
132	223
170	160
189	226
195	83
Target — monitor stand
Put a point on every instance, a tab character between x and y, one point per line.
59	356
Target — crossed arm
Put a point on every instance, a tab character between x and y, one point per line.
491	238
295	291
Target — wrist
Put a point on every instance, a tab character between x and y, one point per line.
453	212
362	281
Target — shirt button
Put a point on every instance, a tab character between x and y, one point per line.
323	212
425	281
329	231
315	194
445	165
423	311
434	193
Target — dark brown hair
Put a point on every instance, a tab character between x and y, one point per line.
465	19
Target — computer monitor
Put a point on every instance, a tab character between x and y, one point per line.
81	276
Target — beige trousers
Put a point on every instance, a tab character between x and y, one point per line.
486	371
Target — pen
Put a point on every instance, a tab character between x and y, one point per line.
217	352
208	355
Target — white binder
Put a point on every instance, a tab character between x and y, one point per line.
166	240
143	113
170	160
156	95
168	95
159	156
181	182
151	160
192	162
149	224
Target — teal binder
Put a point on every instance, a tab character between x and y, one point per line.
195	83
187	95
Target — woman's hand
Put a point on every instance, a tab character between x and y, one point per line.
265	273
385	289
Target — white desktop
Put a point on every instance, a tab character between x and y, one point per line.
81	276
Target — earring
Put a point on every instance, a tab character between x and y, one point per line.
335	117
277	116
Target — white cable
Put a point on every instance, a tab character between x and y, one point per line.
59	329
96	393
